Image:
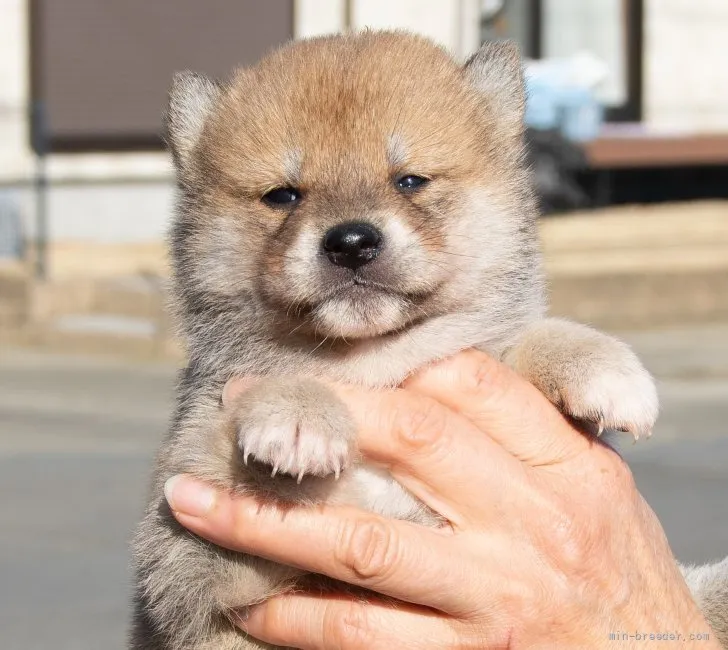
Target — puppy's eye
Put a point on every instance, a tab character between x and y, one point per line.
411	183
282	196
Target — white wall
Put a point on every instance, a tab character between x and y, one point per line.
318	17
108	212
452	23
686	64
15	159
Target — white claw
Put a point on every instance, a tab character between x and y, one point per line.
290	462
246	453
275	470
337	473
600	430
300	477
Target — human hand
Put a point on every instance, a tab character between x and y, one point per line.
549	544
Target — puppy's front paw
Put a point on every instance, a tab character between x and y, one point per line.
620	398
296	426
588	375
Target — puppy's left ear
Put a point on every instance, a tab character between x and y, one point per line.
191	100
496	72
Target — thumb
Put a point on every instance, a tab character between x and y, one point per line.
503	405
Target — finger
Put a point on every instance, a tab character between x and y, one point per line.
502	404
341	542
437	454
346	623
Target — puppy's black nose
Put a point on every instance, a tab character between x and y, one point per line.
352	244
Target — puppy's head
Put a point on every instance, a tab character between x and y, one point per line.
350	185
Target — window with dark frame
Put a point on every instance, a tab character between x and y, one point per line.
100	70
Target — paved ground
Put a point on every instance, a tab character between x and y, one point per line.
76	438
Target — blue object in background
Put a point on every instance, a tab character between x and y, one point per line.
11	230
582	114
555	100
542	109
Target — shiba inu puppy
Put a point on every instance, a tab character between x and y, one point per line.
351	208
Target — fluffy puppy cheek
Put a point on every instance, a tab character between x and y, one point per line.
485	227
360	317
223	261
292	272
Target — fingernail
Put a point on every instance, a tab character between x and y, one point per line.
189	496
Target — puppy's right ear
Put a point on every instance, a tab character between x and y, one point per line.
191	99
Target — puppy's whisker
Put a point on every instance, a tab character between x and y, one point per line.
326	338
298	327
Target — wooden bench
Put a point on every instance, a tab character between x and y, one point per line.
633	146
622	146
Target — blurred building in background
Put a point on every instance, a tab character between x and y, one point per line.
86	188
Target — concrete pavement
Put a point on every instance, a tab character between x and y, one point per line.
77	436
76	439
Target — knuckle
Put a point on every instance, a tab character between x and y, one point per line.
369	550
238	521
612	475
571	541
576	539
273	619
564	534
623	477
420	424
488	375
349	628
